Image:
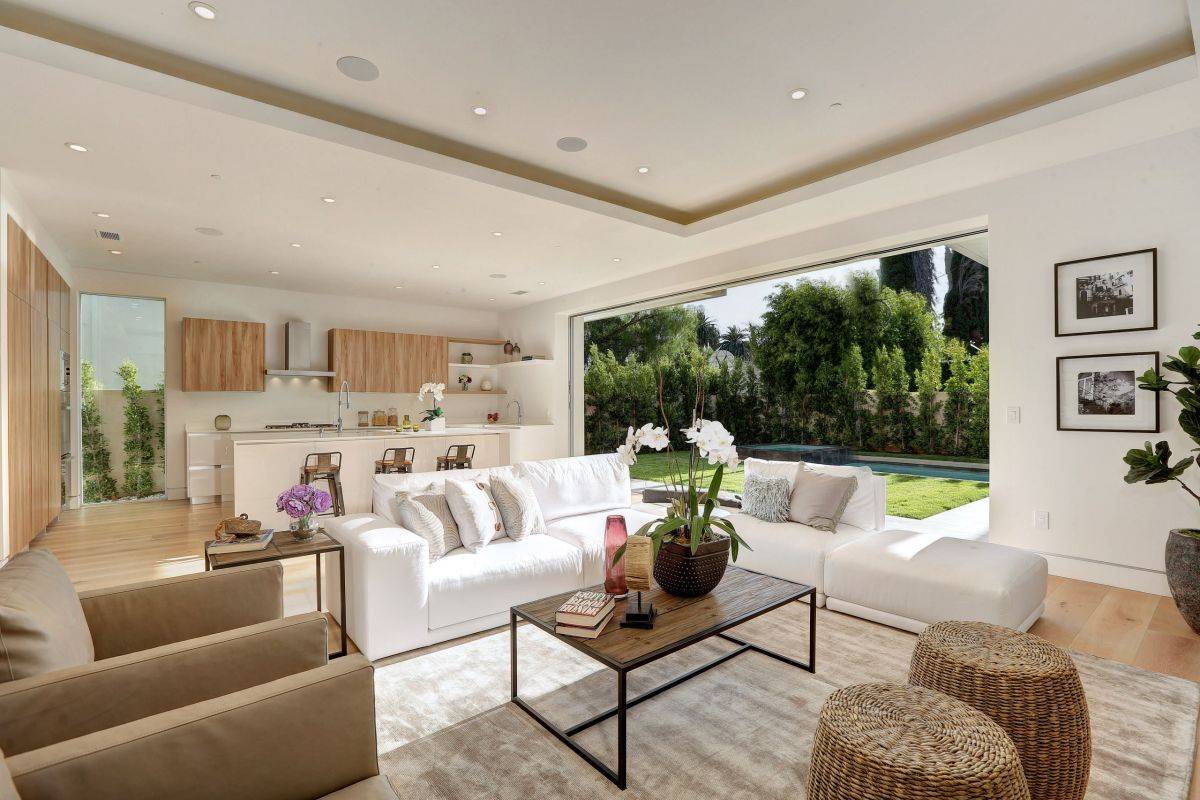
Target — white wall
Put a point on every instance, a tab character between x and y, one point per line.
285	399
1147	195
11	204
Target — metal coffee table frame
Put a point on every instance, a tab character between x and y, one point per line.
624	703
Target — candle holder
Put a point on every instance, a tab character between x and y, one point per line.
639	612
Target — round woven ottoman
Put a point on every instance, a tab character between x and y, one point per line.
1027	685
882	741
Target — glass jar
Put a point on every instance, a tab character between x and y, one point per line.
407	423
393	419
379	418
364	419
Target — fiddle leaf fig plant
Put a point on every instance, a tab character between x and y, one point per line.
1152	463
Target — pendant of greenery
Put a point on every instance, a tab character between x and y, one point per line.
1151	463
140	435
98	483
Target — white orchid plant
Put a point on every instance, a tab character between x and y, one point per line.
689	519
438	391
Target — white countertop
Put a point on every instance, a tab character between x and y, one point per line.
351	434
201	429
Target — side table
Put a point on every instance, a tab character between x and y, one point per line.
283	546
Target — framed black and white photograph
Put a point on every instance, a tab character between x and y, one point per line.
1100	393
1106	294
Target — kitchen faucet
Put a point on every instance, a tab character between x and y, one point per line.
520	411
343	392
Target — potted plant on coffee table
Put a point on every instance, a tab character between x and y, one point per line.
1152	464
691	547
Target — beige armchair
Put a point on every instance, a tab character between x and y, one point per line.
73	666
308	735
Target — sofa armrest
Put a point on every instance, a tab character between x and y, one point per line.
138	616
303	736
387	584
880	501
73	702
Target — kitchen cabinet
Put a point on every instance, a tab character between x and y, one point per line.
379	361
223	355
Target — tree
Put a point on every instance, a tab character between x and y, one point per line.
735	340
978	435
965	307
893	415
653	335
707	334
958	398
616	395
139	433
929	383
98	483
870	315
909	325
911	272
852	382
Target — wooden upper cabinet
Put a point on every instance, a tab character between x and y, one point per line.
20	263
41	282
223	355
377	361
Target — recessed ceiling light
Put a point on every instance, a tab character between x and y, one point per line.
492	299
497	275
116	252
497	233
399	286
643	170
572	144
328	199
358	69
101	214
209	232
274	272
203	10
835	106
437	266
78	148
541	283
479	111
798	94
616	260
295	244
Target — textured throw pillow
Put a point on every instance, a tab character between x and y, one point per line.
475	511
818	499
435	501
518	506
767	497
421	520
42	627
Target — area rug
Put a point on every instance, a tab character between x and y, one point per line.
743	729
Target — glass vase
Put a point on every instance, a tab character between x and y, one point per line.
615	536
306	527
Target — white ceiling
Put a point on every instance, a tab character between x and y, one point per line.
699	94
699	91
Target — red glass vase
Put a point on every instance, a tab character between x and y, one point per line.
615	536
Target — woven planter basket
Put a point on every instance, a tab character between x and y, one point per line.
882	741
1027	685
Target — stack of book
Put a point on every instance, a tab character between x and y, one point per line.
241	544
584	615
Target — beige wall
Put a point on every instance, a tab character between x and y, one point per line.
285	399
1147	195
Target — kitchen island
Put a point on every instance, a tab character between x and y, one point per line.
264	467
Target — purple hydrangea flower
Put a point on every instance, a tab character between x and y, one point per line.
297	508
303	492
321	501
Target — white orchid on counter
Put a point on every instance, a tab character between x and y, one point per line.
438	390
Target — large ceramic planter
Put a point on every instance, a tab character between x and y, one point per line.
683	574
1183	574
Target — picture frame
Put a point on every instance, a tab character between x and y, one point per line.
1115	293
1099	392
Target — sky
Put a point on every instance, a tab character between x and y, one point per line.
742	305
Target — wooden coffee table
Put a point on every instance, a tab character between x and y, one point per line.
681	622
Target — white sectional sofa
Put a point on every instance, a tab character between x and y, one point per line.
398	600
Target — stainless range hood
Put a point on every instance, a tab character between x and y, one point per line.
298	354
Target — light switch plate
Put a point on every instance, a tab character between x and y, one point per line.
1014	415
1041	520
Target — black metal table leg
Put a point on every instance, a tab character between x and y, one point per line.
512	650
318	556
342	596
622	710
812	633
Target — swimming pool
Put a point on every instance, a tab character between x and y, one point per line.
925	470
835	454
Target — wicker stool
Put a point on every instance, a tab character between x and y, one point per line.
1027	685
881	741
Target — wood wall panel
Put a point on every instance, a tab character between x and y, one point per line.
223	355
39	429
41	281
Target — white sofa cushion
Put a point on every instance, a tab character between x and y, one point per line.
476	513
790	550
929	577
772	469
565	487
384	487
585	532
465	585
867	508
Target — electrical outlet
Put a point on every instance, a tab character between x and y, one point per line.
1014	415
1041	520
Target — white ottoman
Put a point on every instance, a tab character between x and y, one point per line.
909	580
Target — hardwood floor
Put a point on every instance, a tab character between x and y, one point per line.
121	543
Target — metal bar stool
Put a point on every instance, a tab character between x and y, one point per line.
396	459
458	456
326	467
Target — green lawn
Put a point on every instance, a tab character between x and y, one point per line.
912	496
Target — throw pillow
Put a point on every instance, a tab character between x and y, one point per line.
475	511
767	497
864	506
434	499
819	500
419	519
42	626
518	506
